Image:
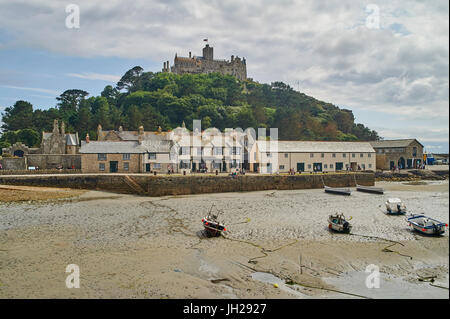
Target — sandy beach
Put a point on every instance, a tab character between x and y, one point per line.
152	247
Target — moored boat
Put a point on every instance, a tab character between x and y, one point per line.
339	191
338	223
395	206
369	189
426	225
212	227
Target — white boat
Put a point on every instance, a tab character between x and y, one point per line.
426	225
339	223
395	206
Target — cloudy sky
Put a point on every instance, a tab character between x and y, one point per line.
387	61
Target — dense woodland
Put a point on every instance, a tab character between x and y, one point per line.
166	100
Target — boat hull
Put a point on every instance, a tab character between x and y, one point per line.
338	191
369	189
417	224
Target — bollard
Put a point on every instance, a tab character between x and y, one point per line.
217	172
154	173
184	172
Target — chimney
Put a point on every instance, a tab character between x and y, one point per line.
164	66
189	54
55	127
99	132
141	134
87	138
232	58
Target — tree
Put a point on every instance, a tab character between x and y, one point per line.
69	103
17	117
29	137
133	118
130	79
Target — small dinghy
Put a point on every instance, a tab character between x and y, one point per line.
339	191
369	189
212	227
395	206
426	225
339	223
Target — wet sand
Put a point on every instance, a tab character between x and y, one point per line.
140	247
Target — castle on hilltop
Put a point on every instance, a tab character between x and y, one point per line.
206	64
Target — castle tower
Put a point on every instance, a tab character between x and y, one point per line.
208	52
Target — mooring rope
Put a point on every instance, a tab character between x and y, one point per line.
385	249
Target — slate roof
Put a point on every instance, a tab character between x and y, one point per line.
111	147
393	143
317	147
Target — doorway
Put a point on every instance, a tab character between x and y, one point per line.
113	166
317	167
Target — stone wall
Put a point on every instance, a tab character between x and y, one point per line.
181	185
13	163
49	161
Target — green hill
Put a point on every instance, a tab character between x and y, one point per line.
166	100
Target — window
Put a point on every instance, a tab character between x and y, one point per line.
311	155
126	157
369	155
268	155
254	156
353	154
101	157
157	166
322	155
363	166
199	151
414	151
218	151
126	166
216	165
331	165
370	165
151	156
234	164
184	164
309	166
325	166
184	150
281	166
236	151
286	155
344	154
101	166
334	155
361	155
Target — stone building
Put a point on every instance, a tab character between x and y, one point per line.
206	63
310	156
403	153
58	149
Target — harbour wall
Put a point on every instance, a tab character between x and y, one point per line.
150	185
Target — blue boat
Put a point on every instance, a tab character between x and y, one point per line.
426	225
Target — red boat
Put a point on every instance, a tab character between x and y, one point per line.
212	227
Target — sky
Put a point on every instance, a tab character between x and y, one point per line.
387	61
